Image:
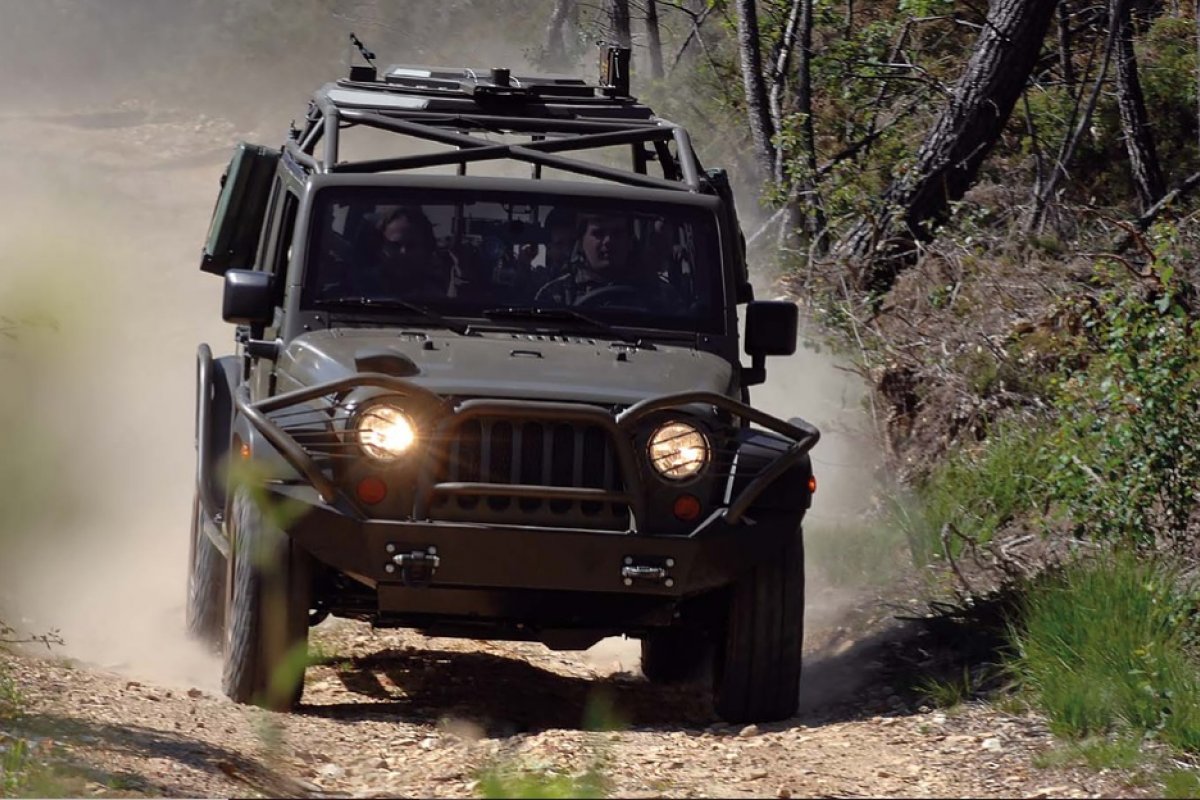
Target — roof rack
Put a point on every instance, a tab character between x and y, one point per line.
558	113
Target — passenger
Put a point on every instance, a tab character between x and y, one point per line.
606	270
409	260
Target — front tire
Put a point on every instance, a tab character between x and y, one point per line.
206	584
267	611
757	675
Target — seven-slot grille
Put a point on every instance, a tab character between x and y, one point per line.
505	451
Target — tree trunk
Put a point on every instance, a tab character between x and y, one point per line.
618	15
654	40
1139	141
783	60
762	129
1064	46
948	161
554	49
806	218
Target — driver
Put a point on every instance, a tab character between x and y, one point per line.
606	260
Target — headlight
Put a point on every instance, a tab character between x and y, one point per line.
678	450
384	431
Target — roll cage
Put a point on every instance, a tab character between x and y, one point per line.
553	119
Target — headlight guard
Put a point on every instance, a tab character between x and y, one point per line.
678	451
383	430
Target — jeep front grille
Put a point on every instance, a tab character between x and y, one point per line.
512	452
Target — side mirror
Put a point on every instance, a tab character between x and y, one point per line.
249	298
772	327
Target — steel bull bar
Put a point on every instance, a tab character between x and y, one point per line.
620	428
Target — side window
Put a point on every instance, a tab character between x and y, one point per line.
278	248
270	226
286	229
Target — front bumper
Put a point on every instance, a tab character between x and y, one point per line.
452	558
379	553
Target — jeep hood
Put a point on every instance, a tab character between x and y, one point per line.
506	365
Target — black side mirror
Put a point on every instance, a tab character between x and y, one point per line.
772	327
249	298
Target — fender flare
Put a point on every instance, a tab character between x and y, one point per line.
790	491
248	442
215	383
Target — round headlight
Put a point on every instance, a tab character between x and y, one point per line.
679	451
384	432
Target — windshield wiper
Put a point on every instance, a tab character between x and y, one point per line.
393	304
566	315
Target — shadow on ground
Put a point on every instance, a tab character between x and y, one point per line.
886	673
506	695
148	743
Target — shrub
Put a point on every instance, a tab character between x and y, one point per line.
1128	465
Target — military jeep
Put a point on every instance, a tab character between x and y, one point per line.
501	406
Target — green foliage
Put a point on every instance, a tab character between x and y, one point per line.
1097	752
10	697
14	766
514	778
501	782
1167	71
1180	784
1106	647
925	8
948	693
1128	448
974	493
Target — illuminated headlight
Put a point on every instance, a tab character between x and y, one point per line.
679	451
384	431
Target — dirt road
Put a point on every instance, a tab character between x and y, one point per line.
103	215
396	714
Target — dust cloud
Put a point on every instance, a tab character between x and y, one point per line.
115	148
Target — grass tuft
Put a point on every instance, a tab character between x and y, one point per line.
502	782
1104	649
1097	752
975	493
1180	783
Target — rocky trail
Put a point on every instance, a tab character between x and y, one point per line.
396	714
131	710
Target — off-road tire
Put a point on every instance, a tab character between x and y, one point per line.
205	612
674	656
757	667
267	611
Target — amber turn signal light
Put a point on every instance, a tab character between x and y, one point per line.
812	484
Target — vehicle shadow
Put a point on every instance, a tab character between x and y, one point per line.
506	695
947	652
889	672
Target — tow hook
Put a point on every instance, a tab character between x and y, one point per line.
416	568
658	572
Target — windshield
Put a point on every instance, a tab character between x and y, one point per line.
620	263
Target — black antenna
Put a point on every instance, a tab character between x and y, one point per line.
368	73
